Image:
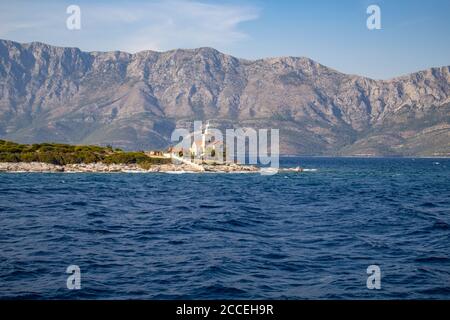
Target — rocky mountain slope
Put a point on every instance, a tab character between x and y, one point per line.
134	101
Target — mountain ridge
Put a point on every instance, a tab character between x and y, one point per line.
225	54
134	101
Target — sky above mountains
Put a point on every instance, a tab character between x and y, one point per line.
413	36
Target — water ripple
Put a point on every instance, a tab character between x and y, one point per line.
159	236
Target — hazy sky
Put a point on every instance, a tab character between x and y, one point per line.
415	34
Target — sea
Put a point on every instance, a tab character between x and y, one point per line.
332	232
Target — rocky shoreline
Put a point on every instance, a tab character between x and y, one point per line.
98	167
126	168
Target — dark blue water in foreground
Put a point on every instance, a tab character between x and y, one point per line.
190	236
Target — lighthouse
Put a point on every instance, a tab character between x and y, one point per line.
205	138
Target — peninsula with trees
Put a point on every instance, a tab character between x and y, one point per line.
57	157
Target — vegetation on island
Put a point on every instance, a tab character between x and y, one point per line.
62	154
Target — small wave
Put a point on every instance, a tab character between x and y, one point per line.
176	242
438	291
441	225
269	170
79	203
210	206
275	256
179	172
428	205
237	223
219	290
433	259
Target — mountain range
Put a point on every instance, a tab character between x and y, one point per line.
135	101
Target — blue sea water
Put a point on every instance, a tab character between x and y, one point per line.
230	236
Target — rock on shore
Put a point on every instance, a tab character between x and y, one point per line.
101	167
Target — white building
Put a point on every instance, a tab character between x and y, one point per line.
208	147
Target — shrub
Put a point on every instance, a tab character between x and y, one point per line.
9	157
125	158
51	157
29	157
61	154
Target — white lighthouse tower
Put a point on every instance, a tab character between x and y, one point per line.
205	138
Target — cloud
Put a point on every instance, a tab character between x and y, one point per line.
132	26
173	24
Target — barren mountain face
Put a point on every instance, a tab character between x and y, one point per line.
134	101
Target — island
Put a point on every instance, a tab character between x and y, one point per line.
58	157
